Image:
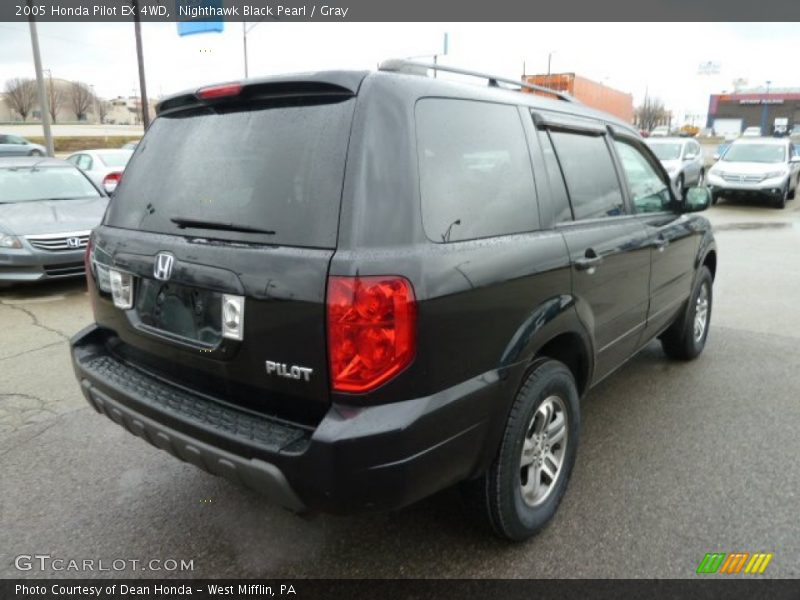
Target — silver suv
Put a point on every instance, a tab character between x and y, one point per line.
682	158
765	168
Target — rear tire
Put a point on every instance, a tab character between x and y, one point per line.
686	337
35	153
523	487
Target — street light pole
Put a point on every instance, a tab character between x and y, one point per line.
44	105
765	111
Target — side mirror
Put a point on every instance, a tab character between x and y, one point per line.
690	157
697	199
795	159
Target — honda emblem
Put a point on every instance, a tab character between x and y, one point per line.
162	269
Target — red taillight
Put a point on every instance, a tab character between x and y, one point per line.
112	180
219	91
372	324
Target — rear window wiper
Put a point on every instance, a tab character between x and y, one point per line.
184	223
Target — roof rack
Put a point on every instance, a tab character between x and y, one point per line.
401	65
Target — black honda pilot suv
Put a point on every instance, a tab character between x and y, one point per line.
350	290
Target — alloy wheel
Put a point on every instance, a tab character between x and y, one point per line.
543	451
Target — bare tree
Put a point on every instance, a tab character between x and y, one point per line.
55	97
21	96
80	97
651	113
102	109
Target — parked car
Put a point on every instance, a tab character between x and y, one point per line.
660	131
763	168
104	167
47	210
286	300
14	145
682	158
752	132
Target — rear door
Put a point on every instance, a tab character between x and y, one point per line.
608	247
242	197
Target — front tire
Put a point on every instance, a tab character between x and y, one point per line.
686	337
780	201
35	153
523	487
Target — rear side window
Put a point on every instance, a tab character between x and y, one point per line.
277	168
560	199
476	179
592	181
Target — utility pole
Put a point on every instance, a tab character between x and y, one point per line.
140	56
244	41
44	104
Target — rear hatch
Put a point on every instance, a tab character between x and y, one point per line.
234	199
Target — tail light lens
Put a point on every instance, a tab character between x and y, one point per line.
111	181
371	330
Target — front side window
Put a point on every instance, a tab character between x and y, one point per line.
476	179
592	181
648	190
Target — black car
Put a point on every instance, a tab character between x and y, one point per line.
350	290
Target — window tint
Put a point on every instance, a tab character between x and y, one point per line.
475	172
273	166
591	179
648	190
558	191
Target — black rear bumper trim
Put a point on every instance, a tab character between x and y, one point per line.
253	473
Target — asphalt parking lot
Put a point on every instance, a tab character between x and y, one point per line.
676	460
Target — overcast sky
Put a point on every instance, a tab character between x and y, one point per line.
662	58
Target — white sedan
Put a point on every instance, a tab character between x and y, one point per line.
104	167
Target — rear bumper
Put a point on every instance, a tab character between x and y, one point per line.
356	459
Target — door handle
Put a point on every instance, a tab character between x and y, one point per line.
588	263
660	244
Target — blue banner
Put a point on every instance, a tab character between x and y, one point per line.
207	10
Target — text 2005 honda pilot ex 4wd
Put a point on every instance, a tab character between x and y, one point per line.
351	290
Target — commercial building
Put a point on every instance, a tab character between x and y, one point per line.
591	93
776	110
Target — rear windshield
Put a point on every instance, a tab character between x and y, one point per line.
274	168
115	159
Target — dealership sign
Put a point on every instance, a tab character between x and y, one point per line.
758	101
